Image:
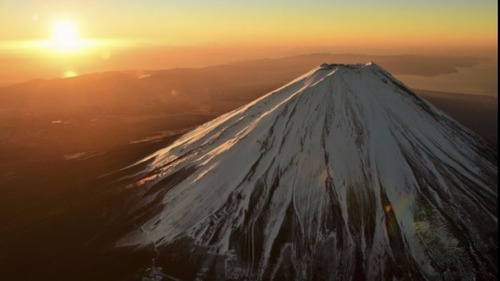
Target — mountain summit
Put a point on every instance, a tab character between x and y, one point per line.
343	174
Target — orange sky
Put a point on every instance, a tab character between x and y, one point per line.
109	33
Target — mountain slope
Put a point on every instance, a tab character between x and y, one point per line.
342	174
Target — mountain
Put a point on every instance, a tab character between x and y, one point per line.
343	174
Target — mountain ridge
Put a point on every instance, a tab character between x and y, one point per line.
342	173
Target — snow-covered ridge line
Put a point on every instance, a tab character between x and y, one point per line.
344	172
306	80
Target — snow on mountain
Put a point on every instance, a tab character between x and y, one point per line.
342	174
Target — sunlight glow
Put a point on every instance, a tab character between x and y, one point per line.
65	37
70	73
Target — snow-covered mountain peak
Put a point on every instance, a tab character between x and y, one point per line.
344	173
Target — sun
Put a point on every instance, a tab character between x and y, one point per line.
65	36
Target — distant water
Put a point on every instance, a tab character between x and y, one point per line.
480	79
